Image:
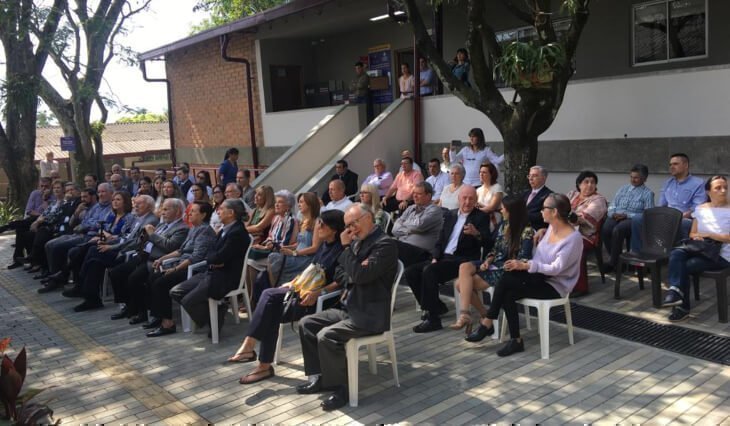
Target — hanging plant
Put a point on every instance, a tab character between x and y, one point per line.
526	65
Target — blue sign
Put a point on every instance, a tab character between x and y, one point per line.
68	143
379	58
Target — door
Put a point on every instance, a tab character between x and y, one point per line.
286	87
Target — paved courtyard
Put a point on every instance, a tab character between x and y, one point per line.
108	372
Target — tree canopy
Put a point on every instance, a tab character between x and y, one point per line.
224	11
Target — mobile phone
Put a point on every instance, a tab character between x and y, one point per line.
456	144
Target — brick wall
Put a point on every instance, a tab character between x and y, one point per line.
209	100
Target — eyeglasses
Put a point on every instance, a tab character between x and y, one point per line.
533	176
217	192
355	222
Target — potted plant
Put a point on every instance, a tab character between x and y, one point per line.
19	409
527	65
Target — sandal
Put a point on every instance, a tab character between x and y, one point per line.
240	358
463	321
257	376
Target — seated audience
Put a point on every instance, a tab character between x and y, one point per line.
216	199
369	196
347	177
535	196
145	187
91	181
381	178
172	269
464	233
630	201
438	179
450	195
134	179
38	201
243	179
283	230
368	266
262	215
169	190
711	233
590	211
199	194
49	214
417	229
478	275
203	179
183	179
338	198
406	153
399	195
682	191
551	274
489	195
225	265
118	183
269	313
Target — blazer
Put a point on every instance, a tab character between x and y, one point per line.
368	288
130	239
534	208
469	247
228	250
168	241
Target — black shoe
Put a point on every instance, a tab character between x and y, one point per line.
155	323
88	305
138	319
25	259
45	280
678	315
511	347
337	400
73	292
310	387
124	313
428	325
48	288
161	331
673	298
480	333
14	265
57	276
41	276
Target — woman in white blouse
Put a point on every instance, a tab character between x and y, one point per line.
405	81
474	155
450	195
489	195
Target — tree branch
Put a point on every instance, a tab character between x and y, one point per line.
102	108
520	14
46	34
577	23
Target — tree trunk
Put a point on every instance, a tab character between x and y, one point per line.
520	154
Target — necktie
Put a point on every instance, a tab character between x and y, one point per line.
532	195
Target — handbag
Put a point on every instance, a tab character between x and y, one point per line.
311	279
706	247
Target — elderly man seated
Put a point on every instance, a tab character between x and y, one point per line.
367	268
381	177
464	233
339	200
400	193
346	176
630	201
534	197
418	228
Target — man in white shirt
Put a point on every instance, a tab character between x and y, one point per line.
438	179
336	192
49	165
381	178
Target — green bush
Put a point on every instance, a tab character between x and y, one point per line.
8	212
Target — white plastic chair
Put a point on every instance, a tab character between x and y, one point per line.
352	348
543	318
457	303
320	308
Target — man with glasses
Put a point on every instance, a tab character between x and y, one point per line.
117	183
535	196
125	183
366	270
400	193
381	178
38	200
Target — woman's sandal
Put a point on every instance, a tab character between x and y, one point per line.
240	358
257	376
463	321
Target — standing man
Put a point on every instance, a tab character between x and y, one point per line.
534	197
428	79
347	176
49	165
135	176
682	191
630	201
360	89
367	268
438	179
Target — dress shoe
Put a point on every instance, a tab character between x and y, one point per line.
152	324
88	305
336	400
428	325
124	313
22	259
15	265
45	280
34	269
511	347
40	276
48	288
161	331
480	333
315	386
73	292
56	275
138	319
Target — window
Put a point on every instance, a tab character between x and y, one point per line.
669	30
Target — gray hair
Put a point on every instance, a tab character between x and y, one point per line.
177	203
459	167
105	186
236	186
543	171
236	205
379	161
363	209
148	200
75	185
286	195
641	169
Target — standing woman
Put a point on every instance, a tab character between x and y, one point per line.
590	210
473	156
450	195
711	225
229	167
370	197
405	81
489	195
551	274
461	65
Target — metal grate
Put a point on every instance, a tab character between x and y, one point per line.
694	343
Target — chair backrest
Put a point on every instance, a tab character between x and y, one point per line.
388	225
659	230
242	281
398	276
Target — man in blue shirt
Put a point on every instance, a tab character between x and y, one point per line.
630	201
682	191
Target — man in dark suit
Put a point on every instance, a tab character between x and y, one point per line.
536	196
347	176
225	264
464	233
367	268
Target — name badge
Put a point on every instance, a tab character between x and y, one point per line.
62	228
67	219
148	247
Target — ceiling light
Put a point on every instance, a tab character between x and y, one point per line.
381	17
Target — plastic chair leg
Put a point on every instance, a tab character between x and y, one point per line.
278	343
569	322
187	322
372	359
721	286
543	314
393	359
247	301
457	301
213	310
351	351
234	309
617	281
656	286
527	317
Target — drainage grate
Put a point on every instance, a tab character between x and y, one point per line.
673	338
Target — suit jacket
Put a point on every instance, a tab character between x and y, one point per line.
368	288
350	180
129	240
228	250
469	247
169	240
534	208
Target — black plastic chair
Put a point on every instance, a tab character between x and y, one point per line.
658	233
598	252
720	278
